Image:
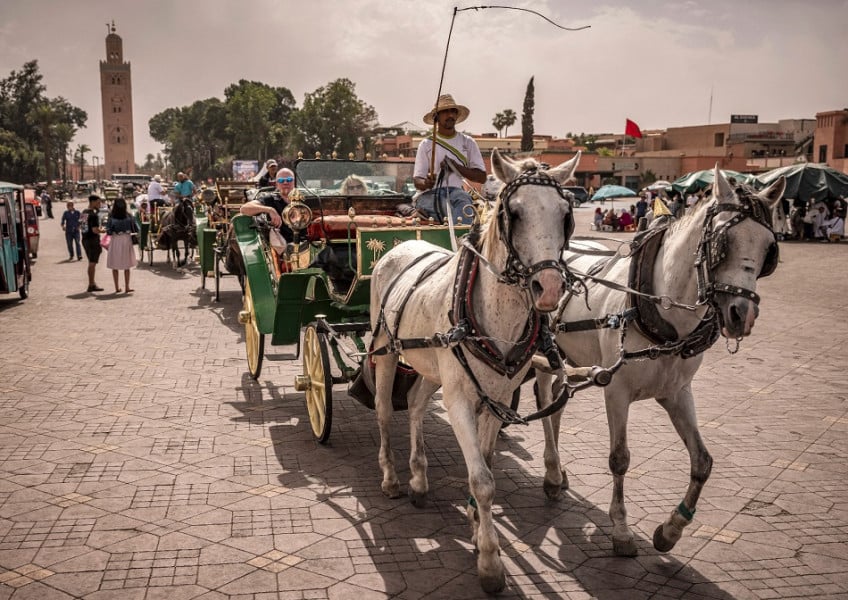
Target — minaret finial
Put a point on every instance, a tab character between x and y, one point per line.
113	25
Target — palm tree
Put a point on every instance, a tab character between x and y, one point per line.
44	116
509	119
80	153
64	133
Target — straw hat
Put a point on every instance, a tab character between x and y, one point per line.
446	102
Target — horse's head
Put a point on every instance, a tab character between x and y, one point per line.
739	247
534	222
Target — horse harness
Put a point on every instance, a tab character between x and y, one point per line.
643	309
465	331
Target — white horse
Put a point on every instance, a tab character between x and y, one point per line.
704	269
487	299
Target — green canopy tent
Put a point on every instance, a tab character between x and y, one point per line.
808	181
700	180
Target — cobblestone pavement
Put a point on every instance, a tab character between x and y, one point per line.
138	460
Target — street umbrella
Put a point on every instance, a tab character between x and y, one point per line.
610	192
701	180
660	184
806	181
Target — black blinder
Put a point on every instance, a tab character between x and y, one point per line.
770	263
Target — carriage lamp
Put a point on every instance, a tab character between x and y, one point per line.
297	215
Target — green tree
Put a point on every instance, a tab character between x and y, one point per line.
79	155
499	122
527	129
333	119
509	119
258	117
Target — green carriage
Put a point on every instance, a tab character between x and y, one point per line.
310	297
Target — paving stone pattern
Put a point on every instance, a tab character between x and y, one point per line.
138	460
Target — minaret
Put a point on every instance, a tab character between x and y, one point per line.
116	100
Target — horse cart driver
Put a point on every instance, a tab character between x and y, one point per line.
453	147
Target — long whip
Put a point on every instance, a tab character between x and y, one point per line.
445	60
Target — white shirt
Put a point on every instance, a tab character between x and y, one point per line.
466	153
154	191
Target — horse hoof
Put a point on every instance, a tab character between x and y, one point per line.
552	490
564	480
492	584
418	499
626	547
662	543
392	490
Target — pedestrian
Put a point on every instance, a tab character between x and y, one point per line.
454	148
47	204
121	255
70	225
90	229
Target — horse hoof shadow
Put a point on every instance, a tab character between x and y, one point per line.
418	499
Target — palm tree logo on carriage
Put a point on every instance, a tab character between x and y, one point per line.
377	247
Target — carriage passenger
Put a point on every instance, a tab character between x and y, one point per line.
274	203
353	185
454	147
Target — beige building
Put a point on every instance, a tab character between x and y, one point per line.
742	144
116	101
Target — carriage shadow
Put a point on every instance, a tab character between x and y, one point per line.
550	548
226	310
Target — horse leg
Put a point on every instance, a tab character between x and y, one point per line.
681	411
555	476
481	483
418	401
384	376
618	409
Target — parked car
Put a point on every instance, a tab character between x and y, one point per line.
580	194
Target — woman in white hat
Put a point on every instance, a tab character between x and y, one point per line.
451	145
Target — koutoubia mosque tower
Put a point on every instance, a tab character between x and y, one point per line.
116	100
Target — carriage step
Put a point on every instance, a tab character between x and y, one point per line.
281	355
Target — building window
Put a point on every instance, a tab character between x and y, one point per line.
719	140
823	153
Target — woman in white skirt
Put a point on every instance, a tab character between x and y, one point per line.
121	255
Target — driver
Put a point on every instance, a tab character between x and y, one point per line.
461	150
273	204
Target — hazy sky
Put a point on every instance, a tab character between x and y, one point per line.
653	61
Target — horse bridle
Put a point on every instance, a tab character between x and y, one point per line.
713	247
516	272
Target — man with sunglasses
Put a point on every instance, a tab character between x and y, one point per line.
273	204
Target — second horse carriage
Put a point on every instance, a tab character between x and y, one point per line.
317	287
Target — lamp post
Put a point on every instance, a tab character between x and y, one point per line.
95	159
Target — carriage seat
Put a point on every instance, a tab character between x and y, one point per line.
337	227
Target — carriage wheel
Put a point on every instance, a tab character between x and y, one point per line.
319	382
202	277
253	340
150	250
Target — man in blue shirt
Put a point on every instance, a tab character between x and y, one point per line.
184	188
70	225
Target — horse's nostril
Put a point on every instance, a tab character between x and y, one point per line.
536	288
735	317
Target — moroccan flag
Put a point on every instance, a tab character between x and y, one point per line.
632	129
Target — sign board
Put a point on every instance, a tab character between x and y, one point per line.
744	118
245	170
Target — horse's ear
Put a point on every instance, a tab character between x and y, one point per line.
773	193
721	186
503	168
562	173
